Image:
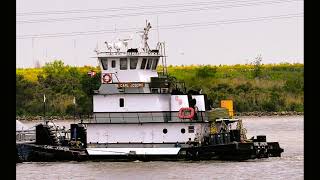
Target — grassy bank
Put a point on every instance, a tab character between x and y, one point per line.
263	88
274	88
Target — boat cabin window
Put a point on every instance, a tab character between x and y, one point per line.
155	63
104	62
113	63
164	131
191	129
133	63
121	102
123	64
155	90
164	90
149	64
143	63
183	130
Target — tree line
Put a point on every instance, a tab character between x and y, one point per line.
271	87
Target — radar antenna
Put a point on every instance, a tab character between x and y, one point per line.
117	45
109	45
145	36
96	50
125	42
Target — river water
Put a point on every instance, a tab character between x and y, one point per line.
288	130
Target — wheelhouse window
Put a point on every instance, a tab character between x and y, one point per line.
113	63
133	63
123	64
155	63
121	102
104	62
149	64
143	63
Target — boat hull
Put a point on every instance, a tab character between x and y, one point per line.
232	151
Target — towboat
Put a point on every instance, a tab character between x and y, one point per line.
142	114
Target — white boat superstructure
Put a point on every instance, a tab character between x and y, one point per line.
137	107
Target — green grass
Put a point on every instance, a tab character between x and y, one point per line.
279	87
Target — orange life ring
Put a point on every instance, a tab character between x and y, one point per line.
182	111
106	78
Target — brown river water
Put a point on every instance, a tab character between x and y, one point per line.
287	130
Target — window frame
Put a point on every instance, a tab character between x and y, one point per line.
136	64
143	63
113	64
104	65
151	61
155	63
126	64
121	102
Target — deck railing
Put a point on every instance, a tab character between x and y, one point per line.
143	118
26	135
30	135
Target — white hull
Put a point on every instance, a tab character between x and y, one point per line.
145	133
135	151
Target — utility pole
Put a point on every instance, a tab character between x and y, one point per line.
74	109
32	45
158	28
75	51
44	107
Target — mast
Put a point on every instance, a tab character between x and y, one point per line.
145	36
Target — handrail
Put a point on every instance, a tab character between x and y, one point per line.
130	53
30	134
108	118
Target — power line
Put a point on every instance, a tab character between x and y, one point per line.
155	12
152	12
177	26
128	8
77	33
233	21
125	8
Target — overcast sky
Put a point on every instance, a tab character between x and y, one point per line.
217	31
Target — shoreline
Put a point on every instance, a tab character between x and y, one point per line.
282	113
242	114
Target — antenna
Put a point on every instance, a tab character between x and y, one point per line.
75	53
32	49
109	45
125	42
145	36
117	45
96	50
158	28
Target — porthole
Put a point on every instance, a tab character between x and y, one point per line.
183	130
164	131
